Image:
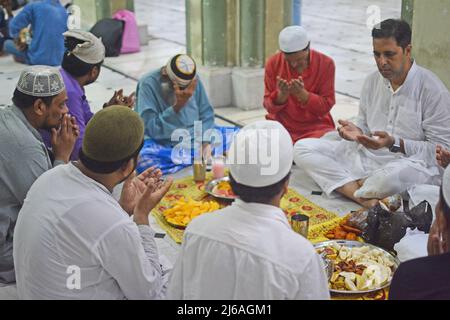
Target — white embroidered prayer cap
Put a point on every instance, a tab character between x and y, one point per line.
91	50
41	81
181	69
293	39
261	154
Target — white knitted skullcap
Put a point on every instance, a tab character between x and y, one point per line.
41	81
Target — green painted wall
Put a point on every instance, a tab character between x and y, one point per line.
407	11
228	33
214	32
94	10
431	36
252	14
194	29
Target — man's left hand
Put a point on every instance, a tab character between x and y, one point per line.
298	90
135	186
118	99
378	140
21	46
436	244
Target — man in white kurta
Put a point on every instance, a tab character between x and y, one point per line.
248	250
404	113
73	240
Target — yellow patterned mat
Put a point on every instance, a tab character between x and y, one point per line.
321	220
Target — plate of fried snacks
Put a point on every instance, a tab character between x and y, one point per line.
184	211
355	267
221	189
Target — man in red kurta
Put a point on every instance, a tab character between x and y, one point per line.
299	87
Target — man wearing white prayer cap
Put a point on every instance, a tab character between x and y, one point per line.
299	86
39	102
248	250
81	67
428	278
391	147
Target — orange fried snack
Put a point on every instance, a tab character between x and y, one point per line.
343	232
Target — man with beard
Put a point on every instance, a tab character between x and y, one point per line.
404	114
172	98
169	99
299	86
248	250
73	240
81	67
39	102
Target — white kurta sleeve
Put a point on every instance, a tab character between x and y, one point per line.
175	287
130	255
361	121
313	281
436	120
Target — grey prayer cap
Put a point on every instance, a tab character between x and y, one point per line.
91	51
41	81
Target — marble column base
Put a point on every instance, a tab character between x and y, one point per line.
248	88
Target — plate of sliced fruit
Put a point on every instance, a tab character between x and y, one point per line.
355	267
183	211
221	189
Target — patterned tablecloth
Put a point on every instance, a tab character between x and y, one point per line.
292	203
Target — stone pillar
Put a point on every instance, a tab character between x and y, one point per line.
431	44
231	41
94	10
407	11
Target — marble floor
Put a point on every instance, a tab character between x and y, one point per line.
337	28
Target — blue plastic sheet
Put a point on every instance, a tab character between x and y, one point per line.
173	159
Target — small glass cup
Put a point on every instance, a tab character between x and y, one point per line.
300	224
199	172
218	167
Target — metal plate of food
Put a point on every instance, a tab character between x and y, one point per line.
356	267
183	211
221	189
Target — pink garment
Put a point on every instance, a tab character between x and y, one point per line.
130	38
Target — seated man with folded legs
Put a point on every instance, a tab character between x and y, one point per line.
39	102
42	43
81	66
173	104
404	114
74	240
248	250
299	86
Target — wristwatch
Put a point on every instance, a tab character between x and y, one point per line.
396	147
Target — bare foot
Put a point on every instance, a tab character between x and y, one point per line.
348	190
442	156
368	203
361	182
